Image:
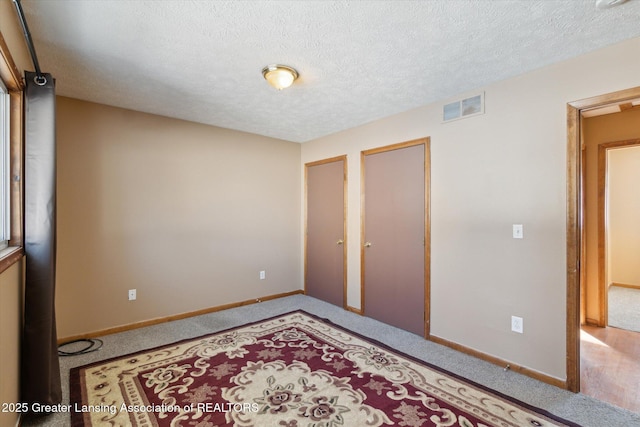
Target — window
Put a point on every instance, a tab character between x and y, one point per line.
4	167
11	160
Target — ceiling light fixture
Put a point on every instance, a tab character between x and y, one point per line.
279	76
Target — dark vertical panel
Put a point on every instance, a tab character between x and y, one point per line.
325	228
394	263
40	366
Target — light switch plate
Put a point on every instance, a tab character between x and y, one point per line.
517	324
518	231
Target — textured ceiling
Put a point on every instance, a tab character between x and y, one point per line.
358	60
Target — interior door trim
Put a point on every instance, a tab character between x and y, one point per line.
427	222
603	232
342	158
575	226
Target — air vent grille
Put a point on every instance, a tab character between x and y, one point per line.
467	107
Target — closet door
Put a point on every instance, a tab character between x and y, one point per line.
393	235
325	248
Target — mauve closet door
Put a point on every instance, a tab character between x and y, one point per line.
325	247
393	250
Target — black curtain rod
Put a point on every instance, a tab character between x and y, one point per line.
27	36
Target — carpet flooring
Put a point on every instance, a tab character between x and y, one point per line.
297	370
578	408
624	308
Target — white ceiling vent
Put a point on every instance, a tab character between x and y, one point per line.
467	107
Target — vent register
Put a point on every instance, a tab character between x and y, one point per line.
464	108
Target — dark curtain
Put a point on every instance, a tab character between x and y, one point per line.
40	365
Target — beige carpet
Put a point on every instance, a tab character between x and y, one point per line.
624	308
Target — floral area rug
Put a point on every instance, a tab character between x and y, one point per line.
293	370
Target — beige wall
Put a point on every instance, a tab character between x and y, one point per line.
12	34
624	212
185	213
598	130
10	333
488	172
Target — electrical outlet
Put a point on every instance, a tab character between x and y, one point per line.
263	275
132	294
517	324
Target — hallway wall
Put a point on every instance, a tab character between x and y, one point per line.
598	130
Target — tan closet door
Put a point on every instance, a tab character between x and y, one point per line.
325	254
393	246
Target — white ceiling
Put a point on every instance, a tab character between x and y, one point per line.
358	60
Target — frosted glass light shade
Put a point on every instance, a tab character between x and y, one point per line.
279	76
